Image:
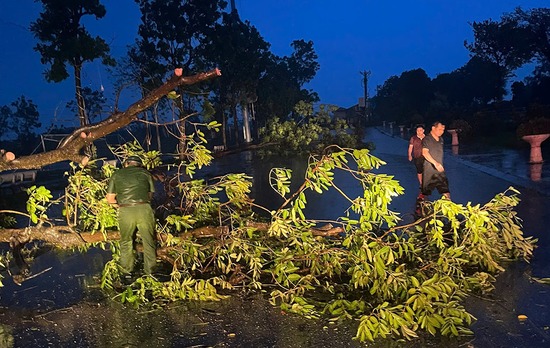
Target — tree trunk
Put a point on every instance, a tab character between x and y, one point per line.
69	148
79	97
224	128
181	127
246	123
235	123
64	237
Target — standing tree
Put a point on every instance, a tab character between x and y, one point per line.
94	102
302	63
281	87
20	119
169	35
5	115
535	23
475	84
503	43
65	42
405	97
239	48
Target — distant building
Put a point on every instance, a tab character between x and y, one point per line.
353	115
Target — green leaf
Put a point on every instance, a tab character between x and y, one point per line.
172	95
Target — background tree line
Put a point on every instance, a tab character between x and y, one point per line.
198	35
476	91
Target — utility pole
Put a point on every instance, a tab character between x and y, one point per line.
366	75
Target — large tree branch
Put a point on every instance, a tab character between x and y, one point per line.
64	237
70	147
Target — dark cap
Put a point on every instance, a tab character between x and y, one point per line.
134	159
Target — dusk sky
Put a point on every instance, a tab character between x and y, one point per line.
385	37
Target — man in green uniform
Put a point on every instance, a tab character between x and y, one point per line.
130	189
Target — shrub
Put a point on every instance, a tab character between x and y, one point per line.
461	125
539	125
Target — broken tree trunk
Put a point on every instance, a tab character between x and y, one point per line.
69	148
64	237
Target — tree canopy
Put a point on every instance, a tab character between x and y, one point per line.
20	119
502	43
403	98
65	42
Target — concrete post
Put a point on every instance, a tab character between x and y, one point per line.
535	140
454	135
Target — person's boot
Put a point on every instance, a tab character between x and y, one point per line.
127	279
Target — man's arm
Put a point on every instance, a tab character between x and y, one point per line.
151	187
111	199
429	158
410	152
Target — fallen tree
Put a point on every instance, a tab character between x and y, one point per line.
70	148
393	279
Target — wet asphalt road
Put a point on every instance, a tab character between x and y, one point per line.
476	178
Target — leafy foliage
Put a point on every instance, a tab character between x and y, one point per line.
539	125
18	121
21	117
7	220
502	43
393	279
64	41
170	36
94	102
85	206
37	203
400	98
308	132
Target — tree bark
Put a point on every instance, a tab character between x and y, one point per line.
327	230
69	148
82	116
235	123
65	237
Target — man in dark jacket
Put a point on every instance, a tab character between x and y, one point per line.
434	176
130	190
